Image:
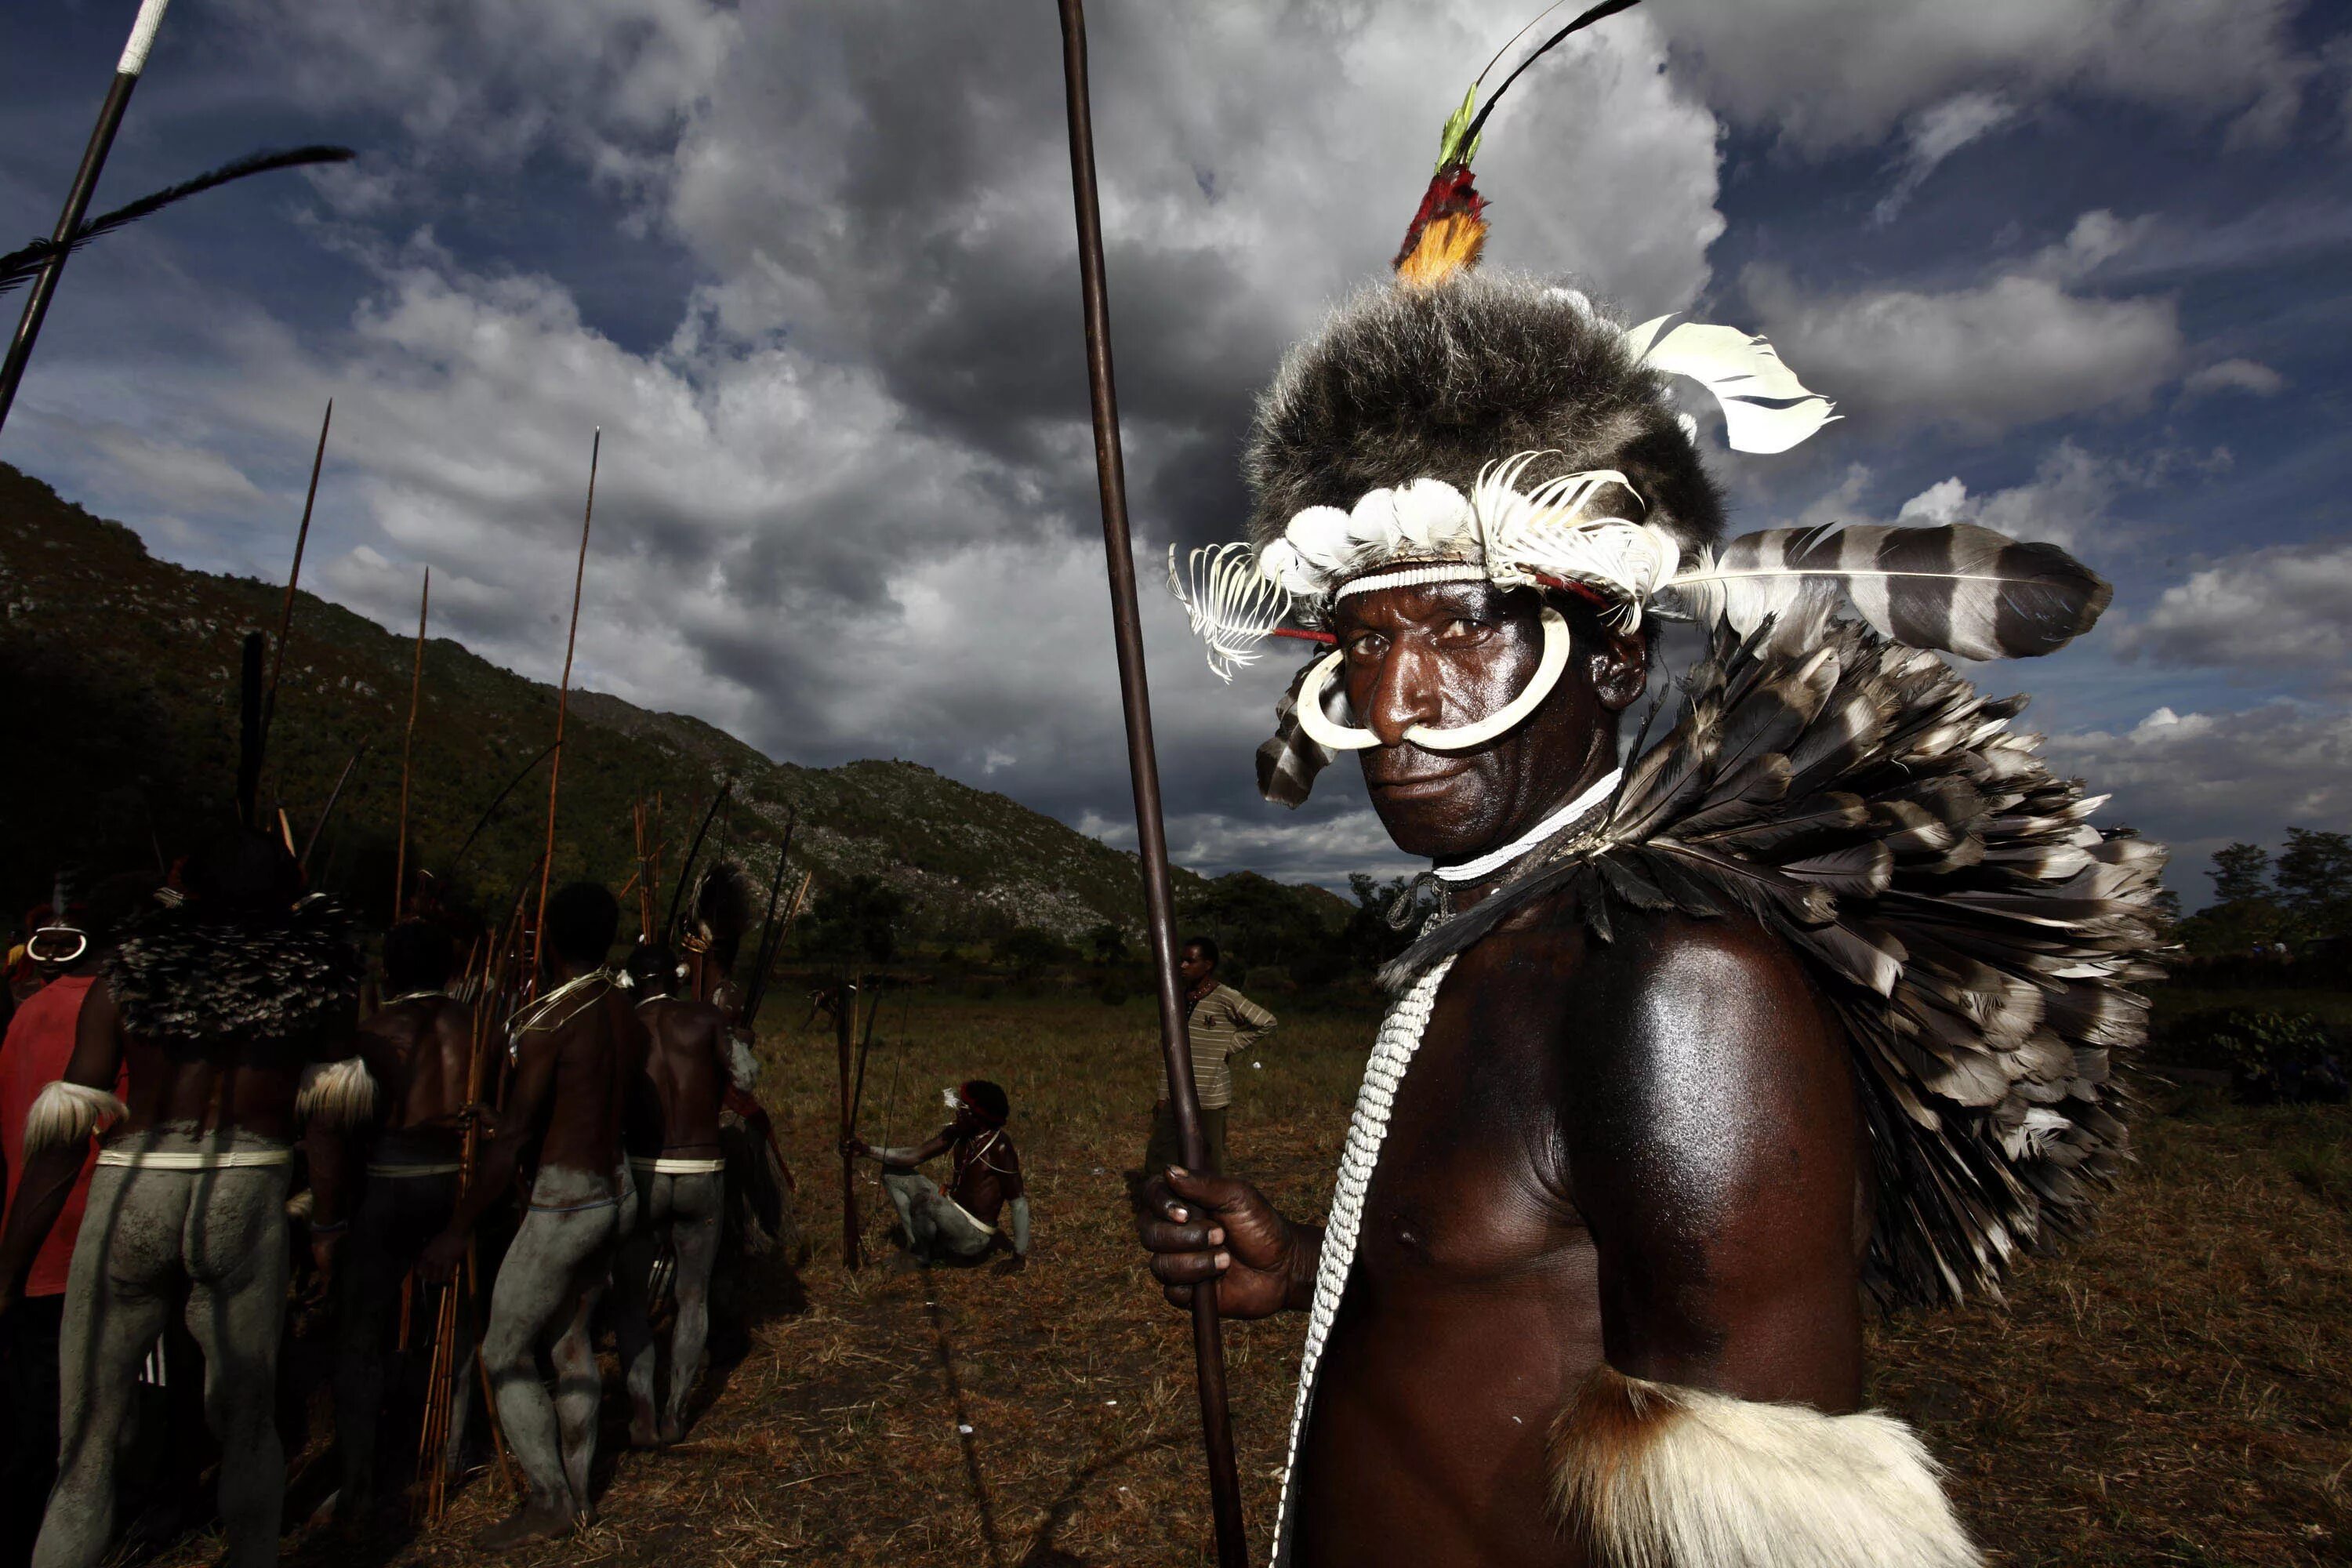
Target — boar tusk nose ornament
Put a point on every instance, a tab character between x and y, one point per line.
1558	643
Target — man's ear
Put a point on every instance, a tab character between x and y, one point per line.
1619	664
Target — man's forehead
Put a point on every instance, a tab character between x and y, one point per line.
1419	604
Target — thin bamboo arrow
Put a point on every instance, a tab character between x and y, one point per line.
1143	767
408	749
294	577
328	810
563	706
497	801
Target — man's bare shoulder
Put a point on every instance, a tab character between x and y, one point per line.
1698	1024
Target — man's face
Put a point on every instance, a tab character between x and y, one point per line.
1194	966
1448	655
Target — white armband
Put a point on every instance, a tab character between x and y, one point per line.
68	1113
338	1095
1653	1474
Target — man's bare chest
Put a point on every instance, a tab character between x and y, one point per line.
1472	1185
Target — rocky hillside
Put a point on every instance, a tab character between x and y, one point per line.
120	675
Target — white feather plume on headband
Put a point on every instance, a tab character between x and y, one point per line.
1231	603
1544	538
1765	407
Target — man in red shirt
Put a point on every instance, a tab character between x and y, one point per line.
39	1039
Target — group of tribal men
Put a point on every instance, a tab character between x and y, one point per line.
207	1039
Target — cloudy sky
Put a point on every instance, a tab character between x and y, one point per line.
2073	268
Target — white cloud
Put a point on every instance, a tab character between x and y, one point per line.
2013	351
2197	780
1934	135
2233	375
846	506
1829	73
2065	503
2096	239
2284	607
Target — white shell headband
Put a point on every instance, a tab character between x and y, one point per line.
1429	531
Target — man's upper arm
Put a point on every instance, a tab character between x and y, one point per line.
1713	1148
97	1059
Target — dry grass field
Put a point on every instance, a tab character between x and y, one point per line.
2175	1389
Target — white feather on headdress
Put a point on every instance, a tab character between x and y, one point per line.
1765	407
1231	603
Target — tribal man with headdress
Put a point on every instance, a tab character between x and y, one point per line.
1811	1000
233	1014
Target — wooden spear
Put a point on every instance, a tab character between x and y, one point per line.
293	578
562	704
127	71
844	1025
1143	768
407	748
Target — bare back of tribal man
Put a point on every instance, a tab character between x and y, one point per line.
417	1047
230	1013
692	1058
578	1051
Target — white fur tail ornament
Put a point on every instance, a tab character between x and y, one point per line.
1655	1476
68	1113
338	1094
1765	407
1232	605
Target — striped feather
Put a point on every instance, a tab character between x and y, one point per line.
1957	588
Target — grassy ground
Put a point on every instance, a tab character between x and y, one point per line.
2174	1389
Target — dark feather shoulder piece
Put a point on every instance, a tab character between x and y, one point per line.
1977	938
180	980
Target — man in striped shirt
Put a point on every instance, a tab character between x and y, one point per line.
1222	1022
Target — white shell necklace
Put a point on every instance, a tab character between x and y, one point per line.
1368	1127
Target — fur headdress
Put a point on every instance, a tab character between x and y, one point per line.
1449	426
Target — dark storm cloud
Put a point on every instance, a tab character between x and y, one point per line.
811	269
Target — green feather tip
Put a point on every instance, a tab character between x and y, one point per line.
1450	148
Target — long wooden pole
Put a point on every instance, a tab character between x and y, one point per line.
408	749
127	71
845	1025
562	705
1143	767
294	578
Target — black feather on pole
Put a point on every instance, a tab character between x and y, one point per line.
686	867
20	266
248	748
1601	13
1957	588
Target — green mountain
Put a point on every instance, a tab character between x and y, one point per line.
121	676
